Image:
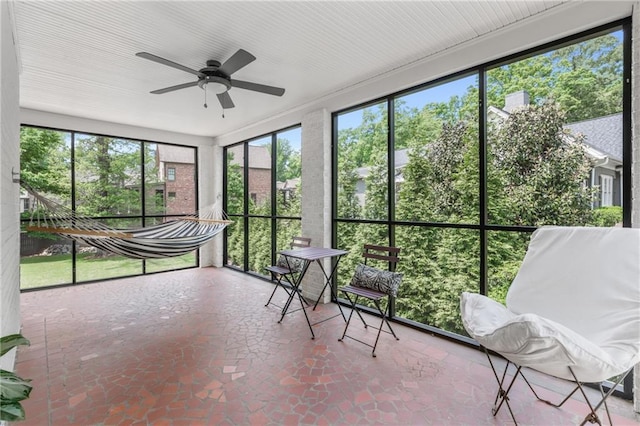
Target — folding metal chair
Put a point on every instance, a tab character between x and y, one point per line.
285	268
572	312
375	285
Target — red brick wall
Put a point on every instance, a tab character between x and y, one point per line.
260	184
184	188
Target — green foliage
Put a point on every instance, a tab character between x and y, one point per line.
585	79
535	175
45	160
108	176
607	216
235	186
13	388
542	172
288	161
259	251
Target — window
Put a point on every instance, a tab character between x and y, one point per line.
116	181
460	171
171	173
606	190
172	195
262	197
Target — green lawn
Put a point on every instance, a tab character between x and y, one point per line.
40	271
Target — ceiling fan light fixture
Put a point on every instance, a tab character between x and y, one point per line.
217	85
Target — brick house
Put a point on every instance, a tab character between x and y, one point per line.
175	190
259	180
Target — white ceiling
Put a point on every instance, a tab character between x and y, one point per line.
78	57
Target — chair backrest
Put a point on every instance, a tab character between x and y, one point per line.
291	263
297	242
585	278
381	253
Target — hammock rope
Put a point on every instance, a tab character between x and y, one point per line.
169	239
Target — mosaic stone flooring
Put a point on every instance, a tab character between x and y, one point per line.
198	347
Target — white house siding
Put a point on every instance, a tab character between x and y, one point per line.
9	191
635	157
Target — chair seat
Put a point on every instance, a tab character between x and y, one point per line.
364	292
278	270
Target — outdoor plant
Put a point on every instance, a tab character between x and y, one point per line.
13	389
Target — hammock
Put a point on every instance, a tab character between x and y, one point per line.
174	238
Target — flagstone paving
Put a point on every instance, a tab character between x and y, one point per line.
198	347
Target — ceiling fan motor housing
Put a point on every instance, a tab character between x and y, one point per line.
217	80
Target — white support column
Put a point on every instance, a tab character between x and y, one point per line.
210	191
316	194
9	190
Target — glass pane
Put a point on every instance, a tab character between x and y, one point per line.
289	173
436	157
179	262
45	165
235	242
108	173
555	131
362	163
286	229
259	184
170	179
45	260
506	251
259	244
352	237
94	264
438	264
235	179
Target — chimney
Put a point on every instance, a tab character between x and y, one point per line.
515	100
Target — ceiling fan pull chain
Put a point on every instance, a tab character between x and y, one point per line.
205	96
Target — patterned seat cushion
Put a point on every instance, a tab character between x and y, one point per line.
292	263
376	279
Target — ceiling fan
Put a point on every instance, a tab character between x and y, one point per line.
216	77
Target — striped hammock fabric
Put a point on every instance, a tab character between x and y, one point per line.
174	238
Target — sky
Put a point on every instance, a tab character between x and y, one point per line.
440	93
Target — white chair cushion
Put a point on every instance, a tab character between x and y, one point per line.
587	279
533	341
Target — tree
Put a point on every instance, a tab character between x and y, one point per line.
585	79
45	161
589	78
542	169
288	161
108	177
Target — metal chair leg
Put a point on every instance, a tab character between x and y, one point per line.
278	283
502	395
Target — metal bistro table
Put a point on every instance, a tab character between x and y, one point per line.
309	255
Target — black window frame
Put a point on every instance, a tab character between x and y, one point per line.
142	216
484	226
245	216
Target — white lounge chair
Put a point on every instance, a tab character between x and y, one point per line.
572	311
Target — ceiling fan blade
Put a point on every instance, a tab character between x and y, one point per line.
225	100
169	63
247	85
239	60
177	87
